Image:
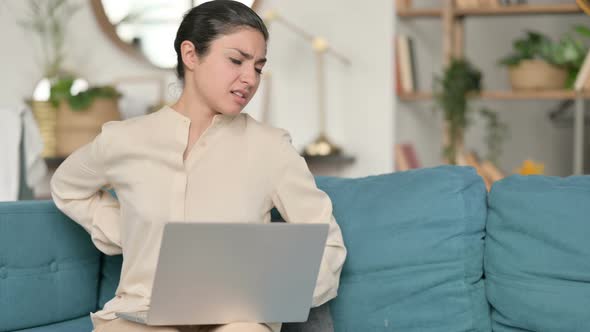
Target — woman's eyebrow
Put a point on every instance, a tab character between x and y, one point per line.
248	56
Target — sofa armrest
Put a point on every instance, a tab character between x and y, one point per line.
49	269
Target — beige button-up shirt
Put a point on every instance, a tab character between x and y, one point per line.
237	171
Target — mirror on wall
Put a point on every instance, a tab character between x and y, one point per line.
145	29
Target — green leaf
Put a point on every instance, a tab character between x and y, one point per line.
511	60
451	90
582	30
61	92
568	52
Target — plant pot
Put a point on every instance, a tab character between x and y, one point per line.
46	116
537	75
77	128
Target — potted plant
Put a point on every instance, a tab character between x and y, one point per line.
538	63
80	116
459	80
68	119
47	20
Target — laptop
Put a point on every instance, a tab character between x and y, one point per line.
220	273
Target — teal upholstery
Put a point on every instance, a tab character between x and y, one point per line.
415	242
415	245
48	266
24	192
110	274
81	324
537	257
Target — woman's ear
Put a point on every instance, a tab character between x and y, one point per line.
189	55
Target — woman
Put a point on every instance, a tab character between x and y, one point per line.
198	160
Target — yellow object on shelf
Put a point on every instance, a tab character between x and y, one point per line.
530	167
585	5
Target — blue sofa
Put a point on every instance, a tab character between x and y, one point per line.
419	243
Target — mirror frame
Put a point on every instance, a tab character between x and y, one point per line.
109	30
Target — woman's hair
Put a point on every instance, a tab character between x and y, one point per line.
211	20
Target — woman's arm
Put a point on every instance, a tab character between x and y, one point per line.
298	199
76	190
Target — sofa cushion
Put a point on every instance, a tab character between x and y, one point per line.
537	258
110	273
81	324
48	266
415	251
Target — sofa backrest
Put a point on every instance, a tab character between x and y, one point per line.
49	268
415	245
415	250
537	257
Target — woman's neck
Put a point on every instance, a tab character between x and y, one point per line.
192	107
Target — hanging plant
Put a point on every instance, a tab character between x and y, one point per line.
459	80
496	134
451	89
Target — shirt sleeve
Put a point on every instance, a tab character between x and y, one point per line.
298	199
76	188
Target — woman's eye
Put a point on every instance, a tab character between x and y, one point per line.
235	61
259	71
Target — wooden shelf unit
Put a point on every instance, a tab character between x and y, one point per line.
531	9
453	35
330	160
505	95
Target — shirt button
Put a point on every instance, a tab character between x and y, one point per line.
53	266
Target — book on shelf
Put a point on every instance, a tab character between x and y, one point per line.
403	4
470	4
405	69
512	2
398	80
405	157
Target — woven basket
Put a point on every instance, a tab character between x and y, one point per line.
46	116
77	128
537	75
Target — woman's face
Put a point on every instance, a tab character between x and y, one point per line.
229	74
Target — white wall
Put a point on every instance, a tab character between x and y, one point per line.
359	98
532	134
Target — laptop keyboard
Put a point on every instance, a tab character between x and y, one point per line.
142	315
138	317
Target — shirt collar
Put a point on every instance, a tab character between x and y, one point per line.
218	119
